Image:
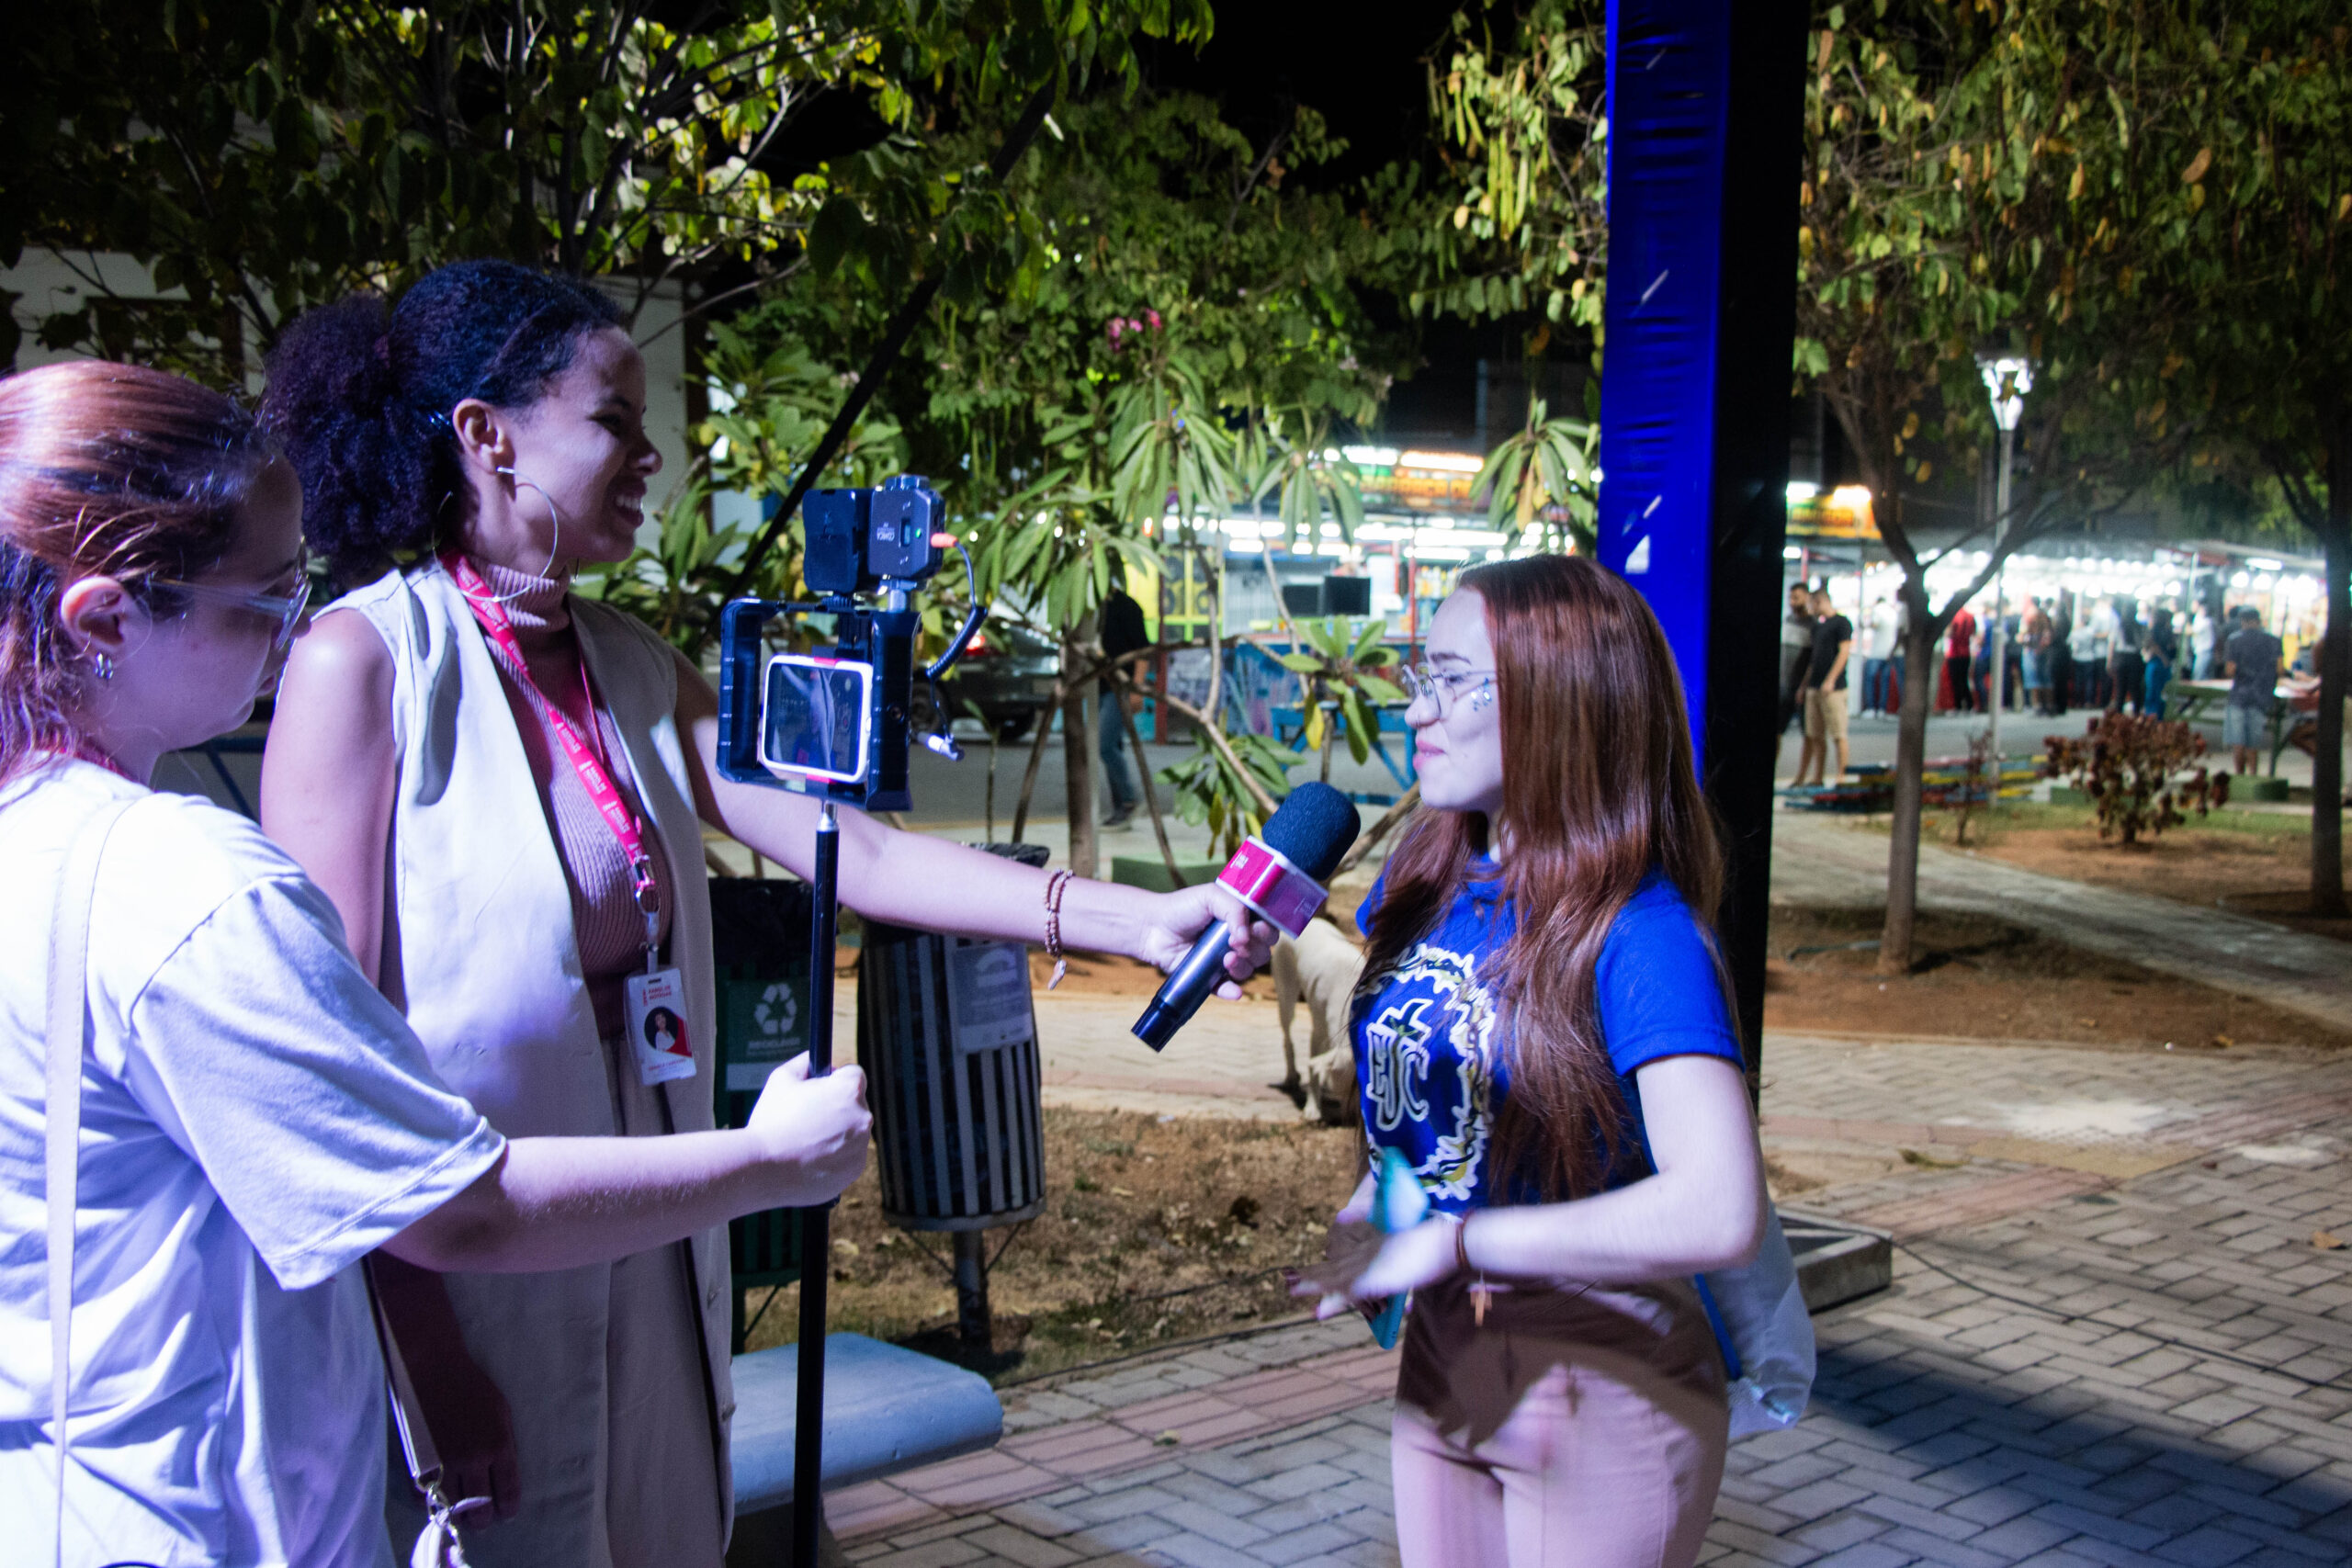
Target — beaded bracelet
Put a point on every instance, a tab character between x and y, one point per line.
1055	885
1480	1291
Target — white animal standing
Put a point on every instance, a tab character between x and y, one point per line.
1319	967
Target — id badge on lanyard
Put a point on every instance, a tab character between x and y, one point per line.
657	1002
657	998
657	1026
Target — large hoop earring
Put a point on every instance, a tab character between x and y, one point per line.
555	542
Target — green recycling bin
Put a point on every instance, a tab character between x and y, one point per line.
760	950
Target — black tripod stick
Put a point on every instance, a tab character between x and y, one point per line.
816	1244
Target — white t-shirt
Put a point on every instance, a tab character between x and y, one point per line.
1884	625
256	1119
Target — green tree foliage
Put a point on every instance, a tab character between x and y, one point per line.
1186	335
1936	221
1183	321
1343	669
1526	145
2197	172
264	156
1542	479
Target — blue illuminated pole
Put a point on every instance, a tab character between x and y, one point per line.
1706	101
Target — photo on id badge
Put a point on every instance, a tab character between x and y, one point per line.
657	1023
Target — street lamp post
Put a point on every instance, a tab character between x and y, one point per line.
2007	378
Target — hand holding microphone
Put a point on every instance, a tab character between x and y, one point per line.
1279	877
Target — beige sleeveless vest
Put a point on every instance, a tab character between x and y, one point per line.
480	953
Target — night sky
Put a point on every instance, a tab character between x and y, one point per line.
1361	66
1364	69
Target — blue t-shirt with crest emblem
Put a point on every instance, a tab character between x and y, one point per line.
1432	1069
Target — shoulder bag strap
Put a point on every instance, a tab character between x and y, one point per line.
68	1039
438	1545
408	1416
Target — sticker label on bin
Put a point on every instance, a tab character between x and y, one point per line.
987	991
763	1031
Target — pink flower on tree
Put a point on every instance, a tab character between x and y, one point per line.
1121	327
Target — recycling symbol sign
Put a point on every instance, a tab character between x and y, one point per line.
775	1016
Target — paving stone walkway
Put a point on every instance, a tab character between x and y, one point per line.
2113	1340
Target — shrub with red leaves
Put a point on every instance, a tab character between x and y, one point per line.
2130	766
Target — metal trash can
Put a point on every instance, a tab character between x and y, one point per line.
760	951
947	1034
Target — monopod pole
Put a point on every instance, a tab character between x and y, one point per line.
816	1242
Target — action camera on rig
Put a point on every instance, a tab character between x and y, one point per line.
837	724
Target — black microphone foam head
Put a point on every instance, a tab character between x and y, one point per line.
1313	828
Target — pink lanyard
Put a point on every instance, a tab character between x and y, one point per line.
585	757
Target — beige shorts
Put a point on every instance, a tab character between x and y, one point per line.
1825	715
1573	1429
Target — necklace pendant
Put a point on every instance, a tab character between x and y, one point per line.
1481	1293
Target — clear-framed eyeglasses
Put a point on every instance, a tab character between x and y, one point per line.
283	607
1442	687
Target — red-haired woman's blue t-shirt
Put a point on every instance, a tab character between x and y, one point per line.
1432	1069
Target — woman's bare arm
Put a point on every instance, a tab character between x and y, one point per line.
1702	1211
560	1202
915	880
329	771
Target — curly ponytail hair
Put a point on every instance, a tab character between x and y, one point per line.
111	470
360	393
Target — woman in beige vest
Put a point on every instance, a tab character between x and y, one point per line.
503	787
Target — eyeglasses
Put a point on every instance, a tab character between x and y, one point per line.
1442	687
285	608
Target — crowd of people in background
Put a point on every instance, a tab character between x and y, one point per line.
2060	653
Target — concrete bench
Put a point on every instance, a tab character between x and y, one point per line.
887	1409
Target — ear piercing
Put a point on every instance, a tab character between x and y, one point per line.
555	542
103	665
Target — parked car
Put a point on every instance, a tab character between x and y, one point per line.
1008	673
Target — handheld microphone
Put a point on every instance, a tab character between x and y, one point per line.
1280	876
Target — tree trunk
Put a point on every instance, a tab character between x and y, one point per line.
2334	656
1910	759
1080	716
1029	774
1120	689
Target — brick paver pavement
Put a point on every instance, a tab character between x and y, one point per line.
2085	1360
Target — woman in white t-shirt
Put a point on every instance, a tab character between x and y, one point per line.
254	1117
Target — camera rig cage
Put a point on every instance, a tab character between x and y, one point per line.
861	545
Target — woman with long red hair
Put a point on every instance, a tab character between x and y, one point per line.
1542	1034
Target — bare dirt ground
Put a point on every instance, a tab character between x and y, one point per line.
2254	864
1980	978
1155	1229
